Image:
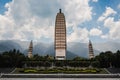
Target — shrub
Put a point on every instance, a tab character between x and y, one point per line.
30	71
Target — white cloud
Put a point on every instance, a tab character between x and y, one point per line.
114	27
24	23
77	11
95	0
101	18
29	19
95	32
5	23
109	11
118	6
79	35
104	36
110	23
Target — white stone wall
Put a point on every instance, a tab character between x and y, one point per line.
60	53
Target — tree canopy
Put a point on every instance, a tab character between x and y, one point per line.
14	58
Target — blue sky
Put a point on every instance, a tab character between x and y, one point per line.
97	20
2	4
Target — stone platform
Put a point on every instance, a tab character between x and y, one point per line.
60	75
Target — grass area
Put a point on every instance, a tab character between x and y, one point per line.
62	70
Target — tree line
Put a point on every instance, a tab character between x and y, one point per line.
14	58
107	59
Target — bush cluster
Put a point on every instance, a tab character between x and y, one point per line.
61	70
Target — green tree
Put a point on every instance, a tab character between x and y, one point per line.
78	58
105	58
116	59
12	58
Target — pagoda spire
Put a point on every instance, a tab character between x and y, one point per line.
60	10
30	50
91	52
60	36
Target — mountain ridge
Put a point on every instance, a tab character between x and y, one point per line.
73	48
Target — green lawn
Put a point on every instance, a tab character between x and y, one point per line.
62	70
